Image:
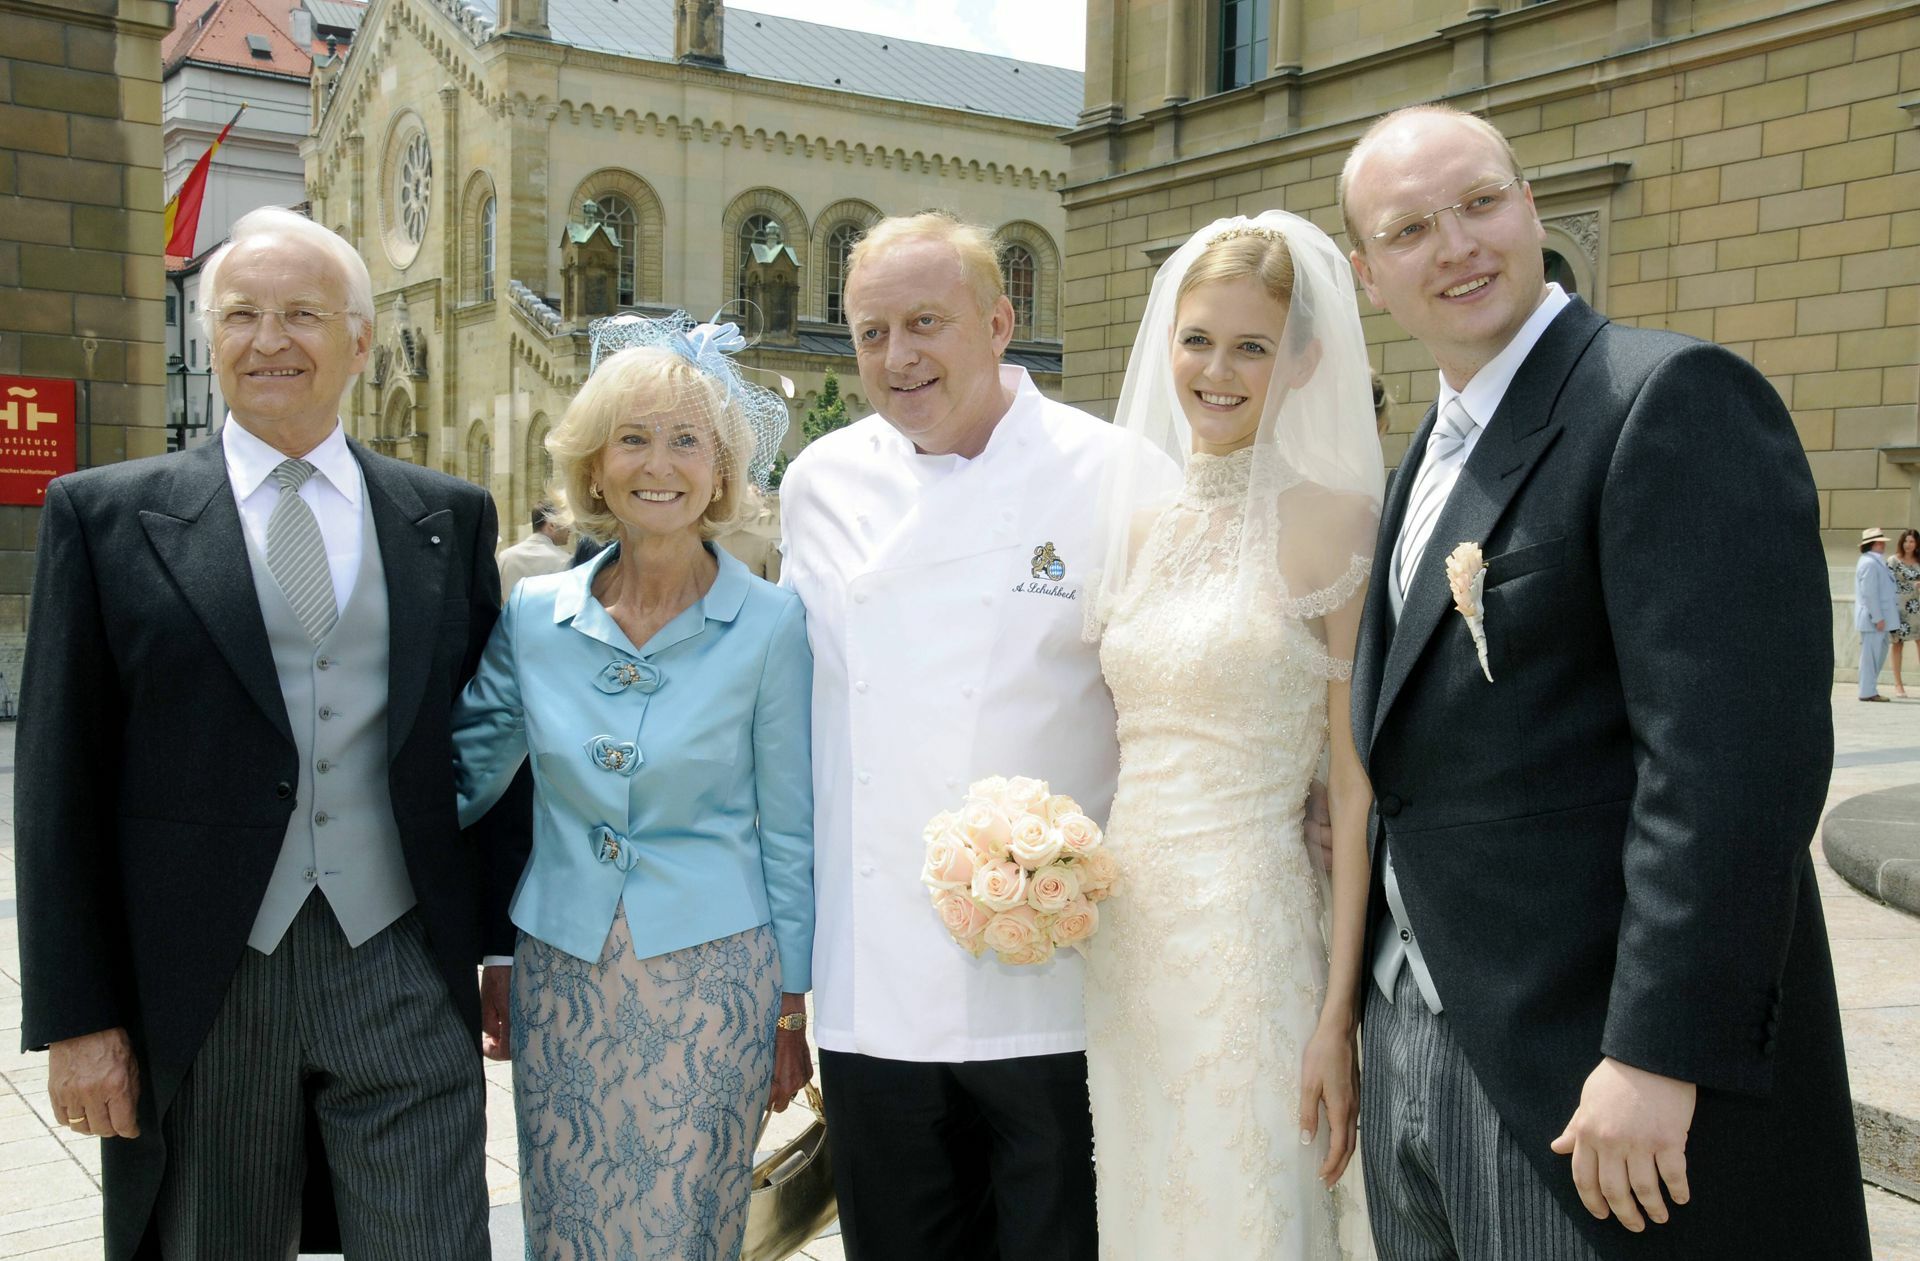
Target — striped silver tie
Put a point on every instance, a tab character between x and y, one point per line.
1444	445
297	555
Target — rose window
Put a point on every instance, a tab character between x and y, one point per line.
414	187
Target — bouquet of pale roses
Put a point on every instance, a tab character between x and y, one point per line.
1018	870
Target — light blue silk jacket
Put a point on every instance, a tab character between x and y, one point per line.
674	777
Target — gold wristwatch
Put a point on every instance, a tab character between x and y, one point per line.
793	1020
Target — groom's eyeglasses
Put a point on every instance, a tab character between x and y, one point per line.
1410	232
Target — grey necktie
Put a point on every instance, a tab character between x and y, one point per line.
1444	447
297	555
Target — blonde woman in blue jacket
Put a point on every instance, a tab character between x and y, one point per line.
662	693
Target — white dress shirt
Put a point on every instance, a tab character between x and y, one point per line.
333	493
1481	398
939	660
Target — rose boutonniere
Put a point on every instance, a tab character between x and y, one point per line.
1467	576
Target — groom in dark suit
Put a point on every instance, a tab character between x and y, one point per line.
249	921
1602	1019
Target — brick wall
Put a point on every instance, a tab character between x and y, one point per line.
80	221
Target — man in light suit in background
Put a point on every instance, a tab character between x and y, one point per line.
1876	609
249	921
546	550
956	1088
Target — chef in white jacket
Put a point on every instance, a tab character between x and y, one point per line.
941	549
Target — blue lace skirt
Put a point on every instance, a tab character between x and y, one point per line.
638	1085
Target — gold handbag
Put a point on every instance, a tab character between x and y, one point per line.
792	1197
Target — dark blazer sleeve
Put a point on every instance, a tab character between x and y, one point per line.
75	974
1726	674
505	833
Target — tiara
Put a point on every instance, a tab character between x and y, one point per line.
1249	229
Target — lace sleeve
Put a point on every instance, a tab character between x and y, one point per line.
1318	604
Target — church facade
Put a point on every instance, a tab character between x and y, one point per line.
1742	171
511	171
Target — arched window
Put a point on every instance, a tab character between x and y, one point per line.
1017	262
489	213
757	230
480	455
1560	271
618	214
840	243
539	459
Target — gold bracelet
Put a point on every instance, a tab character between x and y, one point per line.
792	1021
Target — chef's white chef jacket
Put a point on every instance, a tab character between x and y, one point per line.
941	658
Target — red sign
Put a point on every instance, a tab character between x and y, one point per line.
37	437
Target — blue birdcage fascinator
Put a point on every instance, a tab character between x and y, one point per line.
710	347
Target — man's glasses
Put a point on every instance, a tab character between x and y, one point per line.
300	319
1410	232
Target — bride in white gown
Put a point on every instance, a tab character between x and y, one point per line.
1220	1047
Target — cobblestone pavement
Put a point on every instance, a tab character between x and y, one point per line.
49	1177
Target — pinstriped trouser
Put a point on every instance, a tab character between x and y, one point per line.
1445	1179
371	1037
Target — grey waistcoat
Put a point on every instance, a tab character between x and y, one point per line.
342	838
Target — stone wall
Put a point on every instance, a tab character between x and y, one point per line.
81	281
1734	173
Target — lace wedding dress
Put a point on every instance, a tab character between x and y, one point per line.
1206	980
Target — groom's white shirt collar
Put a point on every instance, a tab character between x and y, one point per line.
1489	385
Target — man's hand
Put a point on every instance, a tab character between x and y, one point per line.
1880	626
1627	1136
93	1082
495	1027
1318	826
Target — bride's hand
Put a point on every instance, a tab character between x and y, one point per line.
1329	1075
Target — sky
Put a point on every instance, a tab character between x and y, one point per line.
1049	31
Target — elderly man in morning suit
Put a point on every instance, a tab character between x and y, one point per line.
249	921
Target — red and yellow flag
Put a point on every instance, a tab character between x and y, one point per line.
183	212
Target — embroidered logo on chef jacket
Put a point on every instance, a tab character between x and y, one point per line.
1047	571
1047	563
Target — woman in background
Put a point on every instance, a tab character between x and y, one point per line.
1905	564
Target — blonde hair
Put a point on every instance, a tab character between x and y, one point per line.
971	244
1473	121
646	381
1249	253
1243	253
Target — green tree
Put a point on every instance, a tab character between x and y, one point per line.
828	413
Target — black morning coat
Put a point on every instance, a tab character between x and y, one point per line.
155	758
1604	850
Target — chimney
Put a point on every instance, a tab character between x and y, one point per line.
523	17
300	25
699	29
